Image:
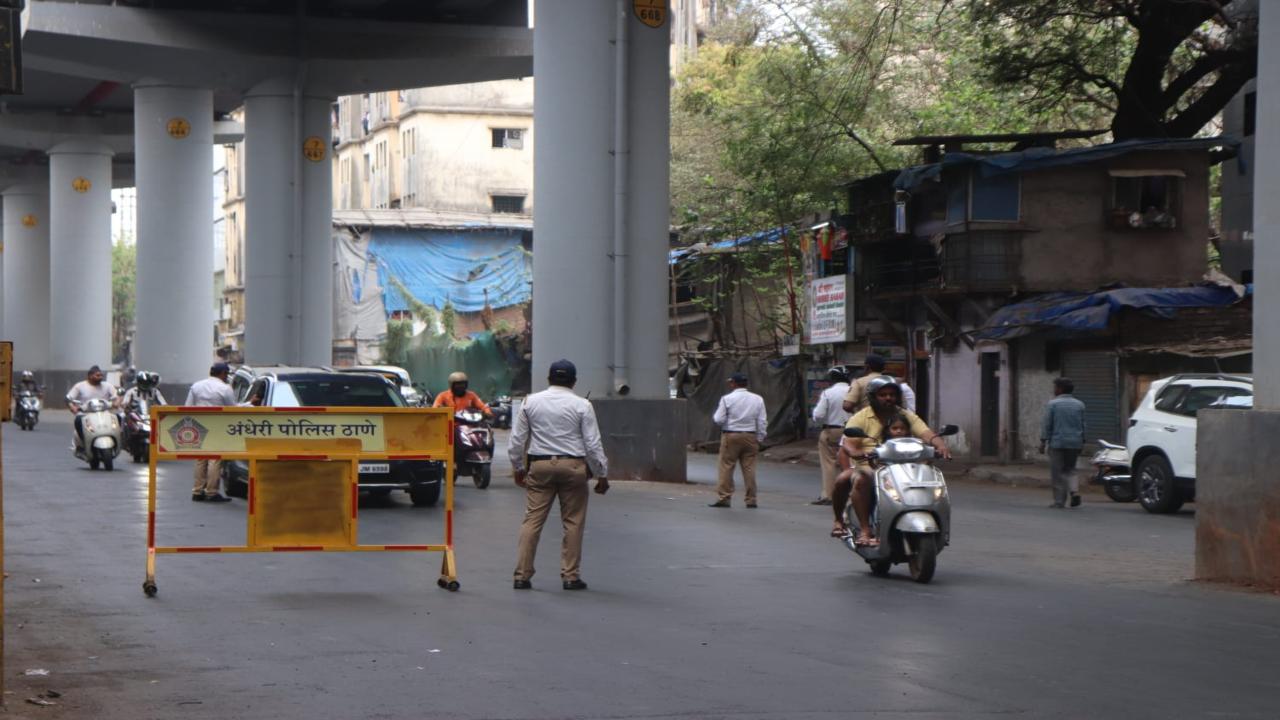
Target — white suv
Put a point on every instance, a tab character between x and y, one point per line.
1162	435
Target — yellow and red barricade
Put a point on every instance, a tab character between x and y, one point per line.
303	472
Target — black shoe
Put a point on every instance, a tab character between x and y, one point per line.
217	498
522	585
821	501
1075	500
752	506
1057	506
719	503
574	585
198	497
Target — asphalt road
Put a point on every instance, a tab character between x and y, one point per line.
692	612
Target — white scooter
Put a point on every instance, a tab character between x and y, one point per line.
912	513
102	439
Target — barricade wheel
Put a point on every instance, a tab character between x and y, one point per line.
149	588
453	586
442	583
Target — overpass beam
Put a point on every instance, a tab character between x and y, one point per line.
173	129
79	259
26	275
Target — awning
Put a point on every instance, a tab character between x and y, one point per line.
1091	312
1153	172
1211	348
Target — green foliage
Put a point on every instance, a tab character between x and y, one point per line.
395	348
124	270
449	319
420	310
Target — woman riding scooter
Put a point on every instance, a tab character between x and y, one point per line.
884	406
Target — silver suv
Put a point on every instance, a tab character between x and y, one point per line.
1162	435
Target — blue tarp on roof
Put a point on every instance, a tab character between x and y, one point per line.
439	266
764	237
1084	312
1041	158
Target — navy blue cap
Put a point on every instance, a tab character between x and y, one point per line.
219	368
563	370
738	379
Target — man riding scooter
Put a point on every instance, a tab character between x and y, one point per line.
459	397
473	440
93	387
884	406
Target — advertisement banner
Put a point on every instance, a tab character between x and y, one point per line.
829	310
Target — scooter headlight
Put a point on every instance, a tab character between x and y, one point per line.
886	483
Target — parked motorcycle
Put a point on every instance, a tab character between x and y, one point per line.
1111	470
501	408
473	447
26	411
137	430
101	443
912	512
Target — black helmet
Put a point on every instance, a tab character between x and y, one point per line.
28	376
880	382
147	380
837	374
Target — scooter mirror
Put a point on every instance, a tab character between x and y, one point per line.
950	430
854	432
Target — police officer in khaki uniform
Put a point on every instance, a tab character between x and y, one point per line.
555	449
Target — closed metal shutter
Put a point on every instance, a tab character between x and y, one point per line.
1096	375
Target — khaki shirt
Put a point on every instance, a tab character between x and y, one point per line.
858	391
867	420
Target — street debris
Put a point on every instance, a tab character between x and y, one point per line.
434	650
35	672
38	700
52	694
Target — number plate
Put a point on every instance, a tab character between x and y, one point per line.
375	468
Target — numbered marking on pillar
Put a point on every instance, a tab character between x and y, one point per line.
178	128
313	148
651	12
81	184
29	221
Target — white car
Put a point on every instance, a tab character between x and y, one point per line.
1162	435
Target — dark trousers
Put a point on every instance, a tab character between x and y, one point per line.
1062	471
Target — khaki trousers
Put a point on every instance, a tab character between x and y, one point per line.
207	477
738	448
828	447
547	481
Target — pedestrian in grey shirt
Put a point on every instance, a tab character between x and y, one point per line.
1062	432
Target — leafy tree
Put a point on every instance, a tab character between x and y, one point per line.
124	270
1162	68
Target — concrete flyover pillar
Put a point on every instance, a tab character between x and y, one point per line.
79	259
26	275
288	246
173	137
1237	490
584	130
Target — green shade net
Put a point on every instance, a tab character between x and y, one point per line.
430	358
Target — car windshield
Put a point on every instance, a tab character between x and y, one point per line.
340	392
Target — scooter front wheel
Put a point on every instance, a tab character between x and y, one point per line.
481	476
925	558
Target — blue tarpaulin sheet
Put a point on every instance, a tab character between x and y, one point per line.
439	266
1041	158
764	237
1086	312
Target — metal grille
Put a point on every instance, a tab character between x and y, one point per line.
1095	375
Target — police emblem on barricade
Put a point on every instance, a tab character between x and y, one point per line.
651	12
188	434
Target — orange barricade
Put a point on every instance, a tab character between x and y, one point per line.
303	471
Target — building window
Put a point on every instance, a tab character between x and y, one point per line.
512	138
995	199
508	203
1145	199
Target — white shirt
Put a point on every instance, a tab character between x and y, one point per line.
84	391
210	392
154	396
830	410
908	397
741	411
557	422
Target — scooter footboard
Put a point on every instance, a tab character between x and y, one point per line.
917	521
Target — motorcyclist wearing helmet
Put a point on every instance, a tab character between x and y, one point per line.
146	387
884	399
27	383
459	397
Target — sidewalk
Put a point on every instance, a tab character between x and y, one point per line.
805	452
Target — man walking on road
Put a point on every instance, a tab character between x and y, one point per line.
212	391
555	449
741	418
831	417
1062	431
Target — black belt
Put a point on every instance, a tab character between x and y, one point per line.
540	458
739	432
832	427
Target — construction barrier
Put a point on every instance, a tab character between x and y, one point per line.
303	471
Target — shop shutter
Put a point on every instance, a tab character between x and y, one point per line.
1095	374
